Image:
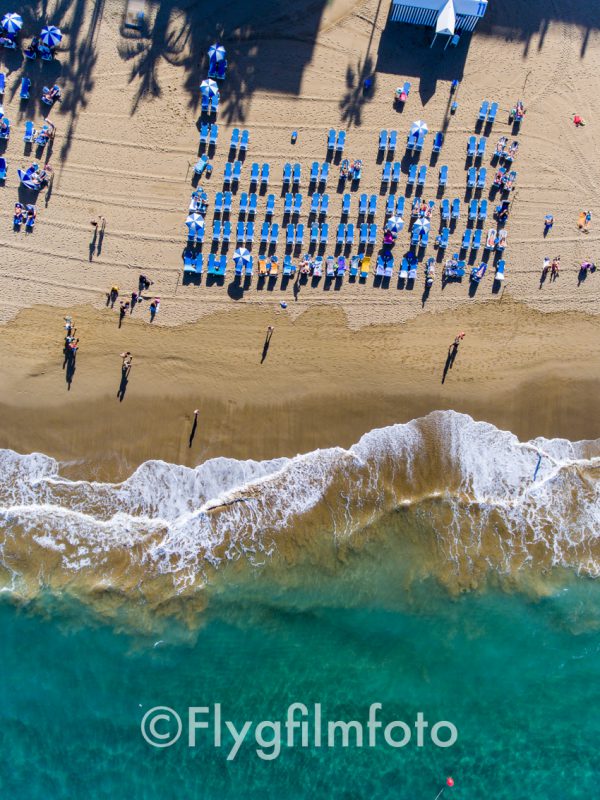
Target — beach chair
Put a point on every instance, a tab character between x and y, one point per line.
216	230
380	266
214	106
387	172
25	88
365	266
262	267
364	233
443	238
341	142
264	175
324	173
249	231
471	177
443	176
412	272
205	103
420	142
244	140
415	236
240	233
471	145
403	274
341	234
189	265
330	267
243	203
481	147
422	175
3	168
490	240
483	111
390	206
314	172
455	208
314	203
237	171
254	173
264	233
372	205
318	266
438	141
200	165
383	137
212	265
483	210
29	132
288	267
392	140
296	174
227	200
481	178
501	240
235	139
424	239
411	142
227	173
445	210
350	233
466	240
300	233
274	234
226	231
491	117
199	264
354	266
416	207
2	83
388	268
331	140
473	210
400	206
289	234
346	204
324	205
476	239
287	173
288	203
249	268
254	202
270	205
314	233
396	172
500	267
412	175
297	203
214	133
204	133
324	233
372	233
239	268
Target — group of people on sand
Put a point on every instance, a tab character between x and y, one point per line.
127	306
24	214
585	221
552	267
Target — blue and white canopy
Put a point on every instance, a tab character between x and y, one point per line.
216	53
241	257
26	178
209	88
419	127
51	36
421	225
395	224
195	224
12	23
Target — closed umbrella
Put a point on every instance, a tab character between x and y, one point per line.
421	225
12	23
395	224
241	257
419	127
216	53
51	36
195	224
209	88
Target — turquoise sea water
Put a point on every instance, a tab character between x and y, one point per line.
518	678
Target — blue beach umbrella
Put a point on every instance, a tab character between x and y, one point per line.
195	224
419	127
241	257
216	53
12	23
421	225
50	35
209	88
26	179
395	224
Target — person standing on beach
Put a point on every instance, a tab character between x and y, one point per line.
267	342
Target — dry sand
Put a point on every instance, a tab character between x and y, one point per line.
339	363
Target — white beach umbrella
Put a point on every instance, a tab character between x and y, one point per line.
50	35
418	127
421	225
242	256
216	53
195	223
395	224
12	23
209	88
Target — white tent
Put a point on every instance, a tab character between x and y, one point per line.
446	21
467	13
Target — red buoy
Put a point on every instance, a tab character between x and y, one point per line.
450	781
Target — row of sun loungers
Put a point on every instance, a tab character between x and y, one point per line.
476	178
494	240
336	140
476	149
238	141
487	112
208	134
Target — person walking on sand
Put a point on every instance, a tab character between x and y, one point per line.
458	339
267	342
587	221
154	306
127	359
111	297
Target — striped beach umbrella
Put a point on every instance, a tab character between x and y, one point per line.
209	88
195	224
395	224
421	225
216	53
12	23
51	36
26	178
241	257
419	127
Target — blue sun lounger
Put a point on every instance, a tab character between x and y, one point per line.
237	171
264	232
412	175
420	142
411	141
476	239
274	234
471	146
473	210
188	262
214	132
287	174
346	204
400	206
414	239
481	147
354	266
422	175
383	138
215	104
372	205
314	172
372	233
324	233
393	139
483	110
243	203
331	140
455	208
390	206
296	174
199	166
240	233
216	230
205	105
226	231
314	233
288	267
2	83
341	142
25	88
443	176
249	231
297	203
3	168
471	177
364	233
299	233
270	205
491	117
254	202
341	234
288	203
212	264
443	238
500	267
483	210
29	132
362	205
235	139
244	140
264	175
466	240
228	173
445	210
350	233
324	205
324	173
289	234
438	142
227	200
204	133
481	178
396	172
314	203
254	173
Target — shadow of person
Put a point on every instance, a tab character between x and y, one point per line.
194	427
266	344
93	243
450	359
70	365
125	370
101	237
